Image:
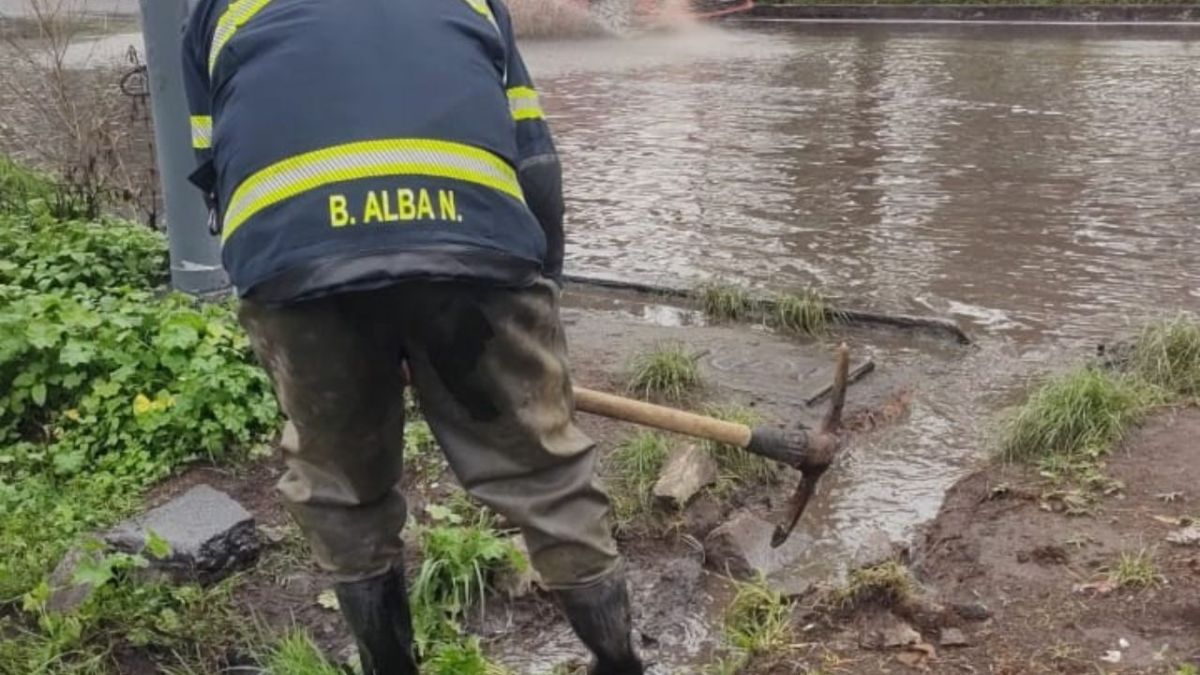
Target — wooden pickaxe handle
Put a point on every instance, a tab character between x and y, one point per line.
662	417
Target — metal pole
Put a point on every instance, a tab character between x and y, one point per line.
195	254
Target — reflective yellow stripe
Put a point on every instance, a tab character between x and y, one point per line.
201	132
523	102
485	10
234	17
367	159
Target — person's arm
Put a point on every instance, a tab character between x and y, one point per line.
538	168
196	86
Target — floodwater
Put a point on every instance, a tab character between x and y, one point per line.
1034	182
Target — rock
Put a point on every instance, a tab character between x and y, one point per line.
742	547
972	611
703	515
952	637
65	595
209	533
519	583
883	630
877	548
1188	536
688	471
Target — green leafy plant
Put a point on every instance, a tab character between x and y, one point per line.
668	370
459	564
41	253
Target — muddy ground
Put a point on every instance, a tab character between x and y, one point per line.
1013	563
1027	584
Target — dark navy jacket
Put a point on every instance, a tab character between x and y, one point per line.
347	145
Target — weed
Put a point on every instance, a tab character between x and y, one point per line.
456	573
726	302
885	584
1187	669
1167	354
757	620
421	451
738	467
461	658
1080	414
198	625
806	313
669	371
635	466
296	654
1135	569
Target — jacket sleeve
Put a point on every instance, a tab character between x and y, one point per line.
538	168
196	86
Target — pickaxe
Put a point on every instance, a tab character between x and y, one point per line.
809	451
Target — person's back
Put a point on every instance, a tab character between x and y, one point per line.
380	132
389	200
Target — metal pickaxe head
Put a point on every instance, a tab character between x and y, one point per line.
809	451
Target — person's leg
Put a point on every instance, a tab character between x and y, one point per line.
490	371
341	389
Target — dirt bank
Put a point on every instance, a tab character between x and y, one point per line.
1031	589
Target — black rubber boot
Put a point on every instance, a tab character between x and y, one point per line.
600	615
376	610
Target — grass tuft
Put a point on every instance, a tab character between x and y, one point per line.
738	467
805	313
757	620
296	654
885	584
1135	569
1167	354
669	371
1079	414
635	466
726	302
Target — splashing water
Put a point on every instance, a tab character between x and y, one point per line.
580	18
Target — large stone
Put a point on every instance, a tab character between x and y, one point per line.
688	471
209	533
741	547
884	630
66	595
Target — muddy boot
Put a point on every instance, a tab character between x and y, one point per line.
376	610
600	615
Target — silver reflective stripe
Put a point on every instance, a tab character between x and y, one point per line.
201	132
368	159
524	105
235	16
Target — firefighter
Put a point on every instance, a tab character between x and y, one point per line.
388	198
